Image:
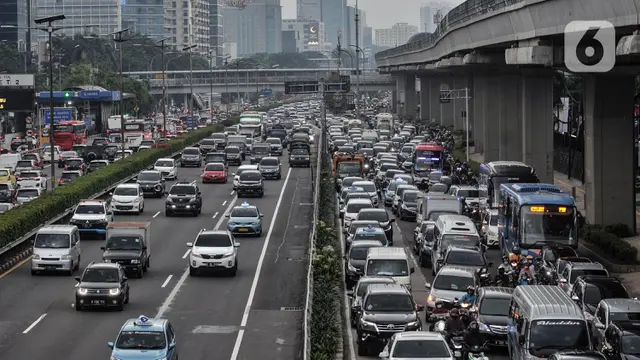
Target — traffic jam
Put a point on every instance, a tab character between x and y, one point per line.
497	249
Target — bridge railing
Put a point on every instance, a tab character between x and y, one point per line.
464	12
260	82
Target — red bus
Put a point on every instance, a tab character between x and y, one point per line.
69	133
429	155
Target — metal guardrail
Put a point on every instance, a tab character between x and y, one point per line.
101	193
462	13
157	83
308	308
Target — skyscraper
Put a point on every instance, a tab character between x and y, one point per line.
349	33
334	15
14	12
255	29
309	9
367	37
216	30
427	13
308	35
398	35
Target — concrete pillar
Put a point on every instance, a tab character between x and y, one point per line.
406	86
425	105
469	114
394	101
186	101
536	127
491	116
609	167
477	114
509	131
434	100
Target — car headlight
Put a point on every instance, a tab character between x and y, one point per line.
484	327
36	257
196	255
114	291
229	254
367	324
135	261
82	291
413	324
65	257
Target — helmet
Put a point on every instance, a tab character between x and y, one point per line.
516	250
454	313
513	258
474	325
471	289
501	270
529	258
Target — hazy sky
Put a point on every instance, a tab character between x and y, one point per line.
380	13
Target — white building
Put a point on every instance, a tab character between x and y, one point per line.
231	50
310	35
398	35
429	12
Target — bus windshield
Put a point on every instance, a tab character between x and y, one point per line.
540	223
350	168
496	181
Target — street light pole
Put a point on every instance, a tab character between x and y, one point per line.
238	83
212	57
117	37
164	88
357	20
226	83
189	48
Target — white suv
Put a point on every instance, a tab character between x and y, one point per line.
214	250
92	216
127	198
167	167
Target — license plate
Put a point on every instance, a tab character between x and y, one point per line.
243	230
50	267
212	264
501	342
97	302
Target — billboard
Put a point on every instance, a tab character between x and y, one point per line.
312	33
16	99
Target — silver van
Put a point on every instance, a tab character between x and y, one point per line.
56	248
542	320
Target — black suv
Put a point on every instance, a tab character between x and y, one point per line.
183	197
621	340
191	156
493	313
299	157
75	164
234	155
151	182
270	168
102	285
259	151
386	309
250	184
130	251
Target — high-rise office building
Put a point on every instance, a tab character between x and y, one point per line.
106	17
289	41
144	17
309	35
367	37
398	34
334	16
15	12
256	28
309	9
429	12
216	30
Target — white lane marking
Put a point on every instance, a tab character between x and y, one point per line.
158	213
34	323
214	215
224	203
233	192
174	292
164	284
256	277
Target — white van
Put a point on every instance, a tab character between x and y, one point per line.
56	248
452	230
10	161
389	261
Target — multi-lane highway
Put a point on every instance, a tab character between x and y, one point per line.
255	315
403	237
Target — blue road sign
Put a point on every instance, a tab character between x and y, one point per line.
191	122
58	115
266	92
89	94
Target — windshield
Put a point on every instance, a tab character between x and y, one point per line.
421	349
164	163
380	216
208	142
23	163
548	226
90	209
125	191
244	212
367	187
410	197
74	162
495	306
4	173
250	176
299	152
379	236
460	240
388	267
141	340
149	176
215	157
389	303
124	243
232	150
68	154
407	150
191	151
349	167
213	240
472	193
98	164
182	190
593	294
496	181
29	174
261	150
101	275
624	316
52	241
274	141
465	258
435	176
68	176
363	286
358	253
452	282
354	208
547	336
269	162
577	272
214	167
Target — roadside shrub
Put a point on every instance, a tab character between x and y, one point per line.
612	245
19	221
619	230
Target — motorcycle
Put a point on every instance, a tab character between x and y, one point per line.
477	352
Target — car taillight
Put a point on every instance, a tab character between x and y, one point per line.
59	158
20	179
66	166
81	166
60	181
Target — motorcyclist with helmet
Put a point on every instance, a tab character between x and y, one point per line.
470	296
454	325
473	338
527	272
502	279
518	254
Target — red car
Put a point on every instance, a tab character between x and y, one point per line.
214	173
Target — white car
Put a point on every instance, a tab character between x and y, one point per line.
369	187
241	168
490	227
352	208
213	250
122	155
5	207
127	198
92	216
32	179
167	167
46	153
28	194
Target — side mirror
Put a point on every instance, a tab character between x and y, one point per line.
103	248
521	339
144	247
227	215
110	345
110	194
77	278
171	346
236	244
124	278
350	293
233	174
484	222
599	326
384	354
189	244
490	264
575	297
392	220
427	285
261	215
412	270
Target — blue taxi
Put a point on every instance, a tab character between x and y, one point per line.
245	219
390	191
371	233
145	339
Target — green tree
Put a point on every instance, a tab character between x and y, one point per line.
282	60
10	59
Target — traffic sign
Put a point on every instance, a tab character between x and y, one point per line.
136	109
29	132
266	92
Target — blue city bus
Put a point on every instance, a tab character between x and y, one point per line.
532	215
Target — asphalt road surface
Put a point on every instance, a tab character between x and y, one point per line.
255	315
403	237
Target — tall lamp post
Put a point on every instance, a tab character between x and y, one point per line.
164	88
189	48
357	20
212	58
226	81
117	37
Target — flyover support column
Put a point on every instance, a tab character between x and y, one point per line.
479	89
509	131
394	101
536	126
609	167
406	86
491	118
425	99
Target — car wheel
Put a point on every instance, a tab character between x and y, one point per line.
34	273
193	271
234	269
78	306
167	213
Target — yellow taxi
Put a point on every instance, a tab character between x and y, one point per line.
7	176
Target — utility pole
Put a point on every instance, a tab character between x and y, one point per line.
238	82
164	89
212	58
226	82
189	49
460	94
117	37
357	20
339	50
